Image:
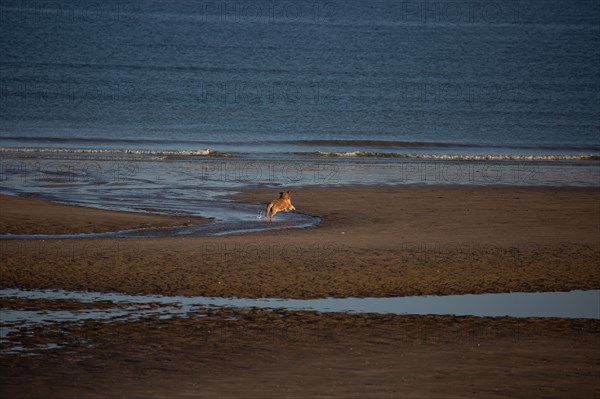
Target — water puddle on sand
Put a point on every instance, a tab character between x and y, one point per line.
572	304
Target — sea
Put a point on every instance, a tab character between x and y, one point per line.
168	106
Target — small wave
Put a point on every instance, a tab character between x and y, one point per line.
431	144
454	157
380	143
164	153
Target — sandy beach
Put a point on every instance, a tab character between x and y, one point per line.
372	241
33	216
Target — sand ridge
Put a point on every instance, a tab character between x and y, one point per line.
372	241
22	215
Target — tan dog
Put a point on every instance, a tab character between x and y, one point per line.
283	203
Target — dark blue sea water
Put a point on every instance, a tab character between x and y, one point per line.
227	74
129	94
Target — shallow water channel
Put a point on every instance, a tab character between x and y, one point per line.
572	304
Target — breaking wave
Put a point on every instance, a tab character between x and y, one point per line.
164	153
453	157
431	144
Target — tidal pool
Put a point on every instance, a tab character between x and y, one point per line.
572	304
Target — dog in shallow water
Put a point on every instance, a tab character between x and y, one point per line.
283	203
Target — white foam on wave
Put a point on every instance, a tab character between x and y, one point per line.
457	157
200	152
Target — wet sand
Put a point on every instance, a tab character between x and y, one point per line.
373	241
33	216
276	354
